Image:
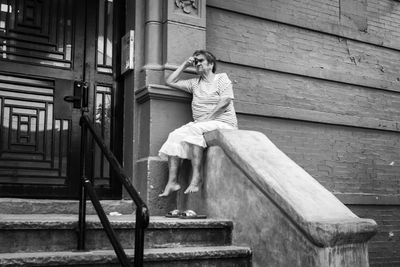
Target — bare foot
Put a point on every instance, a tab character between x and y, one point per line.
170	188
192	188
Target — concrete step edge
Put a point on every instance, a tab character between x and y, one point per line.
108	256
57	206
66	221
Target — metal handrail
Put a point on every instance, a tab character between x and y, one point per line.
142	212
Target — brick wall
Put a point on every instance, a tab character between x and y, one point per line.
322	79
344	159
384	248
384	18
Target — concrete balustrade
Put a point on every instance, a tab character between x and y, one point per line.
278	209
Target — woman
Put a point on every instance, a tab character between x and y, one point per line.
212	109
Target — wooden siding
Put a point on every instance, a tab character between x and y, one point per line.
322	80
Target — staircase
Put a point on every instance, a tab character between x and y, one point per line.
43	233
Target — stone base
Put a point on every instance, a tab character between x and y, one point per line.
154	176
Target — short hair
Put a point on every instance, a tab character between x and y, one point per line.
210	58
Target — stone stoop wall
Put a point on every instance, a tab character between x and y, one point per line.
322	79
280	211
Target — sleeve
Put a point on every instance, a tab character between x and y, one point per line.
187	85
225	86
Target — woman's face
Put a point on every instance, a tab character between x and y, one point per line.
202	65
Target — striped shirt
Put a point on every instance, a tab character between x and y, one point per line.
206	96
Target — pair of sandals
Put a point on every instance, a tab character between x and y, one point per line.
187	214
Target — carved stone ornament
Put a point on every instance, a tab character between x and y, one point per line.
186	5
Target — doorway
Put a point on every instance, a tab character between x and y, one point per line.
45	47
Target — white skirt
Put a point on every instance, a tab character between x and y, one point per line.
179	141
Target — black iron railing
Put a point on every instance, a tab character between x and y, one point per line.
142	213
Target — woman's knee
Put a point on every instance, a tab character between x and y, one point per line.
175	135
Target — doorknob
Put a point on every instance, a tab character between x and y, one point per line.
76	100
80	97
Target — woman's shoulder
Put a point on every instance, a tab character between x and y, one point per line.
193	81
223	78
222	75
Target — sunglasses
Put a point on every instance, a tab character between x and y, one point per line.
198	60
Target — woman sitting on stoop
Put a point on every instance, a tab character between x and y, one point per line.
212	108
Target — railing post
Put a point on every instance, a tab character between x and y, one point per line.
107	225
82	190
142	212
139	237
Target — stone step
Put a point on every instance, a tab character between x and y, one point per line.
55	206
57	232
221	256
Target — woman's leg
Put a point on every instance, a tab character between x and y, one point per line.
197	159
172	185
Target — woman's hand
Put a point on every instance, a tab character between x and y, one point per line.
218	110
173	79
189	62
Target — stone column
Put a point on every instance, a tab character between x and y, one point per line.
172	31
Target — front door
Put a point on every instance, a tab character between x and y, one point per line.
45	46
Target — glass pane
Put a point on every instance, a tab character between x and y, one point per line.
104	69
6	128
24	128
48	132
41	120
56	144
32	89
107	118
103	124
33	130
68	31
98	158
27	96
19	80
41	145
103	89
100	34
107	128
105	36
49	117
109	46
60	26
65	145
24	103
4	9
24	111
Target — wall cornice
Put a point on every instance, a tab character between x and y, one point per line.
161	92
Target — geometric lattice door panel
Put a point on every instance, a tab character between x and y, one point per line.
45	46
37	31
34	146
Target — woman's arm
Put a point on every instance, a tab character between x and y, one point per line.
218	109
226	96
173	79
